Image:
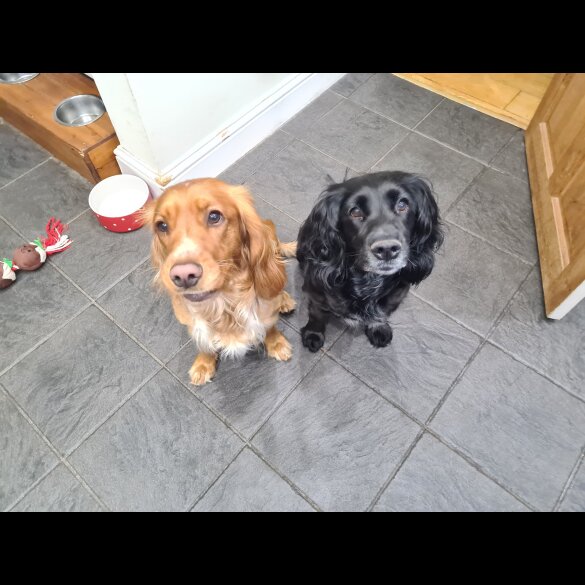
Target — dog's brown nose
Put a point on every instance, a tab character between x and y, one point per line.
386	250
186	275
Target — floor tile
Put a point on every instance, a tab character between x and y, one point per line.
575	499
246	391
293	180
311	114
73	381
426	354
33	306
25	456
498	208
18	154
98	257
395	98
517	425
512	158
249	485
553	347
58	492
158	452
145	311
299	317
50	190
245	166
467	130
353	135
472	281
336	439
449	172
287	229
435	479
350	82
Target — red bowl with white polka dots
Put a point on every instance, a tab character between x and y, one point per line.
117	201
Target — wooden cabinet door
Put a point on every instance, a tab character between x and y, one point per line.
555	150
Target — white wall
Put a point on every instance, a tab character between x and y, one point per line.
196	106
176	126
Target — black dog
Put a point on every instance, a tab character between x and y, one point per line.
364	243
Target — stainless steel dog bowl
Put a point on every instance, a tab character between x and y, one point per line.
79	110
16	77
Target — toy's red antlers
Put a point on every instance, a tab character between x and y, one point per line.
56	241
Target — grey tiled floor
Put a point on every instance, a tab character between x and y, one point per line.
478	404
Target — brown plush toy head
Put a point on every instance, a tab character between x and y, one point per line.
27	258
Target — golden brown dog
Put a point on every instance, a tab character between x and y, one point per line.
223	267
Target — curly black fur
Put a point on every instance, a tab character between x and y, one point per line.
366	241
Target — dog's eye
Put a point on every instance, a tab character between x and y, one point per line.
161	226
214	217
356	213
402	206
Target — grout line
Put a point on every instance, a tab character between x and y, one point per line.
509	175
177	352
464	192
443	312
92	302
86	210
311	146
477	350
56	452
536	370
405	136
25	173
122	277
274	207
277	406
502	149
425	427
508	252
425	117
480	469
569	482
193	392
247	442
293	486
221	474
358	87
265	159
395	471
115	409
483	162
391	401
130	335
430	418
409	128
387	153
82	481
45	339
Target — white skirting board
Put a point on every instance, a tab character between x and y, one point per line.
239	138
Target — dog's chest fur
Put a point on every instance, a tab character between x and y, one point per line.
230	328
362	298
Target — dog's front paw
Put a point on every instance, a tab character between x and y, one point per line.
281	350
202	370
379	336
312	340
287	304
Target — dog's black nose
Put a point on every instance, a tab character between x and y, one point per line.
386	249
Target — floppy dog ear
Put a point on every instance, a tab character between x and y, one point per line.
146	217
427	235
320	242
260	251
